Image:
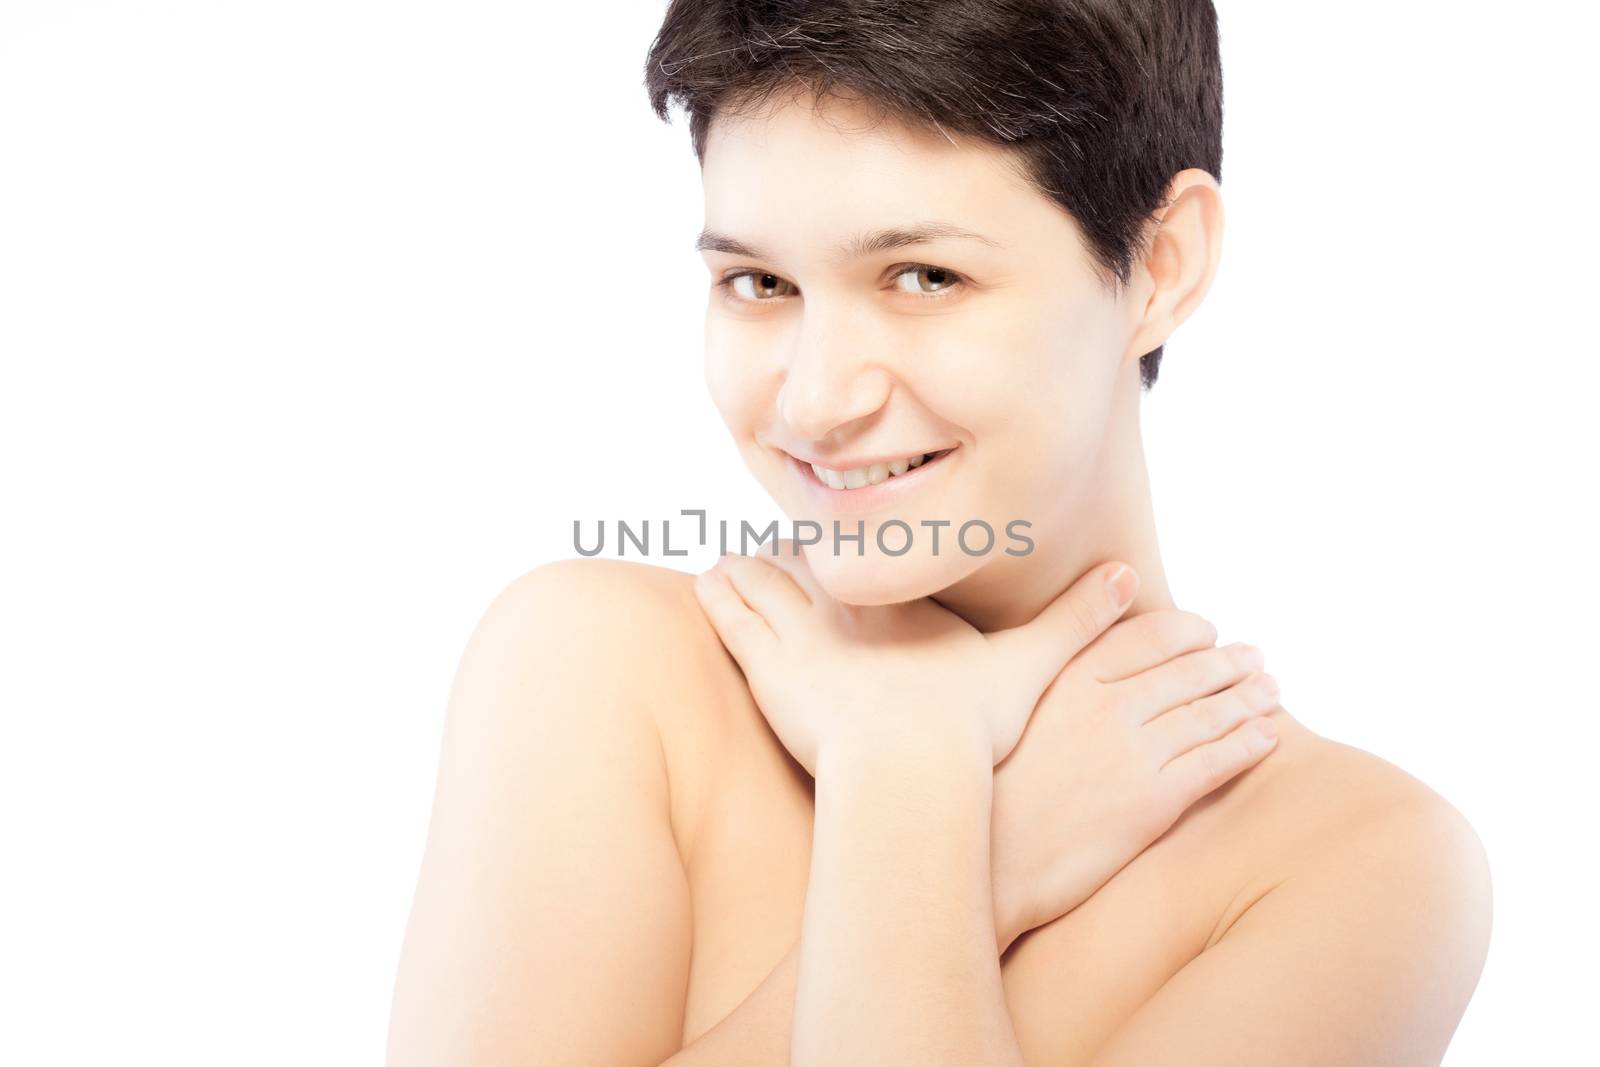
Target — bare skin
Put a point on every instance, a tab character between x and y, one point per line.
620	860
563	918
923	861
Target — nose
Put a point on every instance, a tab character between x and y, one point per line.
830	383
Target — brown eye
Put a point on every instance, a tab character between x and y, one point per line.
757	285
927	281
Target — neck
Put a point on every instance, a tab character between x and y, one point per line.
1108	517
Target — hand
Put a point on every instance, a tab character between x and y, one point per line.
1141	724
819	669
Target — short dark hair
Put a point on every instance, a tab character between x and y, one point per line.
1102	101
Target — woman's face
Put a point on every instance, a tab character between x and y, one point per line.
835	339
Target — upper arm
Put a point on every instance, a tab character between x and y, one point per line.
1369	958
551	922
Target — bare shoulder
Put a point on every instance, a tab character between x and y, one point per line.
638	631
1373	856
1316	808
615	597
1341	791
1324	798
1361	939
635	627
553	872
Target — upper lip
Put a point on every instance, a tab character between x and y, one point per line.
854	463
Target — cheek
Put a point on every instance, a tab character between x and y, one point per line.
1030	368
1035	393
736	375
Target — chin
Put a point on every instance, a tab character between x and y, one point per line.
875	579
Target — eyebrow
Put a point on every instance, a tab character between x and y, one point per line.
862	244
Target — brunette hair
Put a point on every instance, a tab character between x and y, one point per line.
1102	101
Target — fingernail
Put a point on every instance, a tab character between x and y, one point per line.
1267	728
1122	584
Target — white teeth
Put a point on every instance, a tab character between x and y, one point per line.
864	476
830	478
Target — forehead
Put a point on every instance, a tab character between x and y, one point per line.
795	164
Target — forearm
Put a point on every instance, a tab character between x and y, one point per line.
899	960
757	1033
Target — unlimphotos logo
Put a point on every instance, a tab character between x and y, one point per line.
894	537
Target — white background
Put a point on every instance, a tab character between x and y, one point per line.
321	321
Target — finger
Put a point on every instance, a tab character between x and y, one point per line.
1041	647
1205	767
744	633
1186	678
1148	640
768	590
792	561
1179	729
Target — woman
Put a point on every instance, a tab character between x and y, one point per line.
881	802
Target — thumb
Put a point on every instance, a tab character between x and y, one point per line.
1039	648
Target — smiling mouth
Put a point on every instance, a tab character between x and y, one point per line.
876	474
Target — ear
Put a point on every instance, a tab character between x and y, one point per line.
1185	249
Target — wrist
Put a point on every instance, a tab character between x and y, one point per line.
886	741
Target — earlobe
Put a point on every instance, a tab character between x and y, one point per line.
1185	250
